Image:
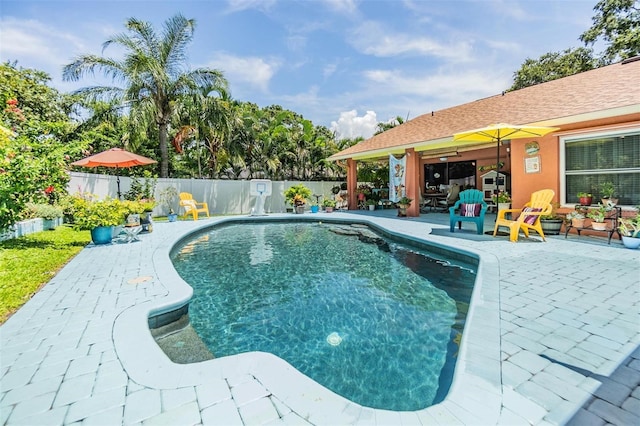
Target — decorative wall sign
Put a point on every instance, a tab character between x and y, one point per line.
490	167
532	148
532	164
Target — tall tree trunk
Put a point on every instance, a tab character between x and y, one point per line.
164	156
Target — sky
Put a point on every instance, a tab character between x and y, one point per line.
343	64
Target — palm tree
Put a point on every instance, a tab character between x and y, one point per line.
153	73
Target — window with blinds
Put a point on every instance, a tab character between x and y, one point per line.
615	158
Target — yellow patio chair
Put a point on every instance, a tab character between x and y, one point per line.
191	206
528	217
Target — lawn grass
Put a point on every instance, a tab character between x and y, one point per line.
27	263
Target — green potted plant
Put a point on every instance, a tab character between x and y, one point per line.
585	198
371	203
168	197
552	223
328	205
51	214
502	200
598	216
629	228
576	219
403	204
98	216
297	196
607	190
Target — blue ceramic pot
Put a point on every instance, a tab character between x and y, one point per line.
314	209
630	242
101	234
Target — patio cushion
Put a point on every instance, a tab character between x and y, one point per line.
470	210
530	219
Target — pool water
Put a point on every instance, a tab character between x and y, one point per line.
372	320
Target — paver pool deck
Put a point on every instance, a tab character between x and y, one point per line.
552	337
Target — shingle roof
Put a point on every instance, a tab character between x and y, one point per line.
556	102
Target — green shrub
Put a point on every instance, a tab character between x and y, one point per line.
297	194
89	213
45	211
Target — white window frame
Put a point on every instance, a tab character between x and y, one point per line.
580	137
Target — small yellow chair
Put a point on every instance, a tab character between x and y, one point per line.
528	217
191	206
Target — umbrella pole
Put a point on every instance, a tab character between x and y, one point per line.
498	168
118	181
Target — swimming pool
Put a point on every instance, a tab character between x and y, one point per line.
376	322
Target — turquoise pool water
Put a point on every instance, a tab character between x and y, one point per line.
375	321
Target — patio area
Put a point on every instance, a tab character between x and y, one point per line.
553	338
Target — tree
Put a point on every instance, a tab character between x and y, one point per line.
617	22
35	141
552	66
154	74
383	127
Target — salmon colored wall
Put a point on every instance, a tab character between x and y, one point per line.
523	184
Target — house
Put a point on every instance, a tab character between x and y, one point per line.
597	114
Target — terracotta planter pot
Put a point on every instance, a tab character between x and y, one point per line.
577	223
586	201
599	226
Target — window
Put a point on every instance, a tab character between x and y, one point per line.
589	161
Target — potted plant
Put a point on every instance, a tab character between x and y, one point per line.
297	196
502	199
629	228
315	207
168	197
585	198
607	190
403	204
576	219
329	205
371	203
598	216
51	214
98	216
552	223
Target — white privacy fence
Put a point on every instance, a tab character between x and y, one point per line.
223	196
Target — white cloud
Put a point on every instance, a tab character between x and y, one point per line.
348	7
349	125
32	40
254	71
329	69
374	39
240	5
450	87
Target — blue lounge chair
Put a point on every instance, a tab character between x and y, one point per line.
471	207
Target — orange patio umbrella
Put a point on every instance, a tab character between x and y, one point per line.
116	158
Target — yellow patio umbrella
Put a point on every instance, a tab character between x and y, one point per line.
499	132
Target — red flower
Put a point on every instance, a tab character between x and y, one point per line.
49	189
